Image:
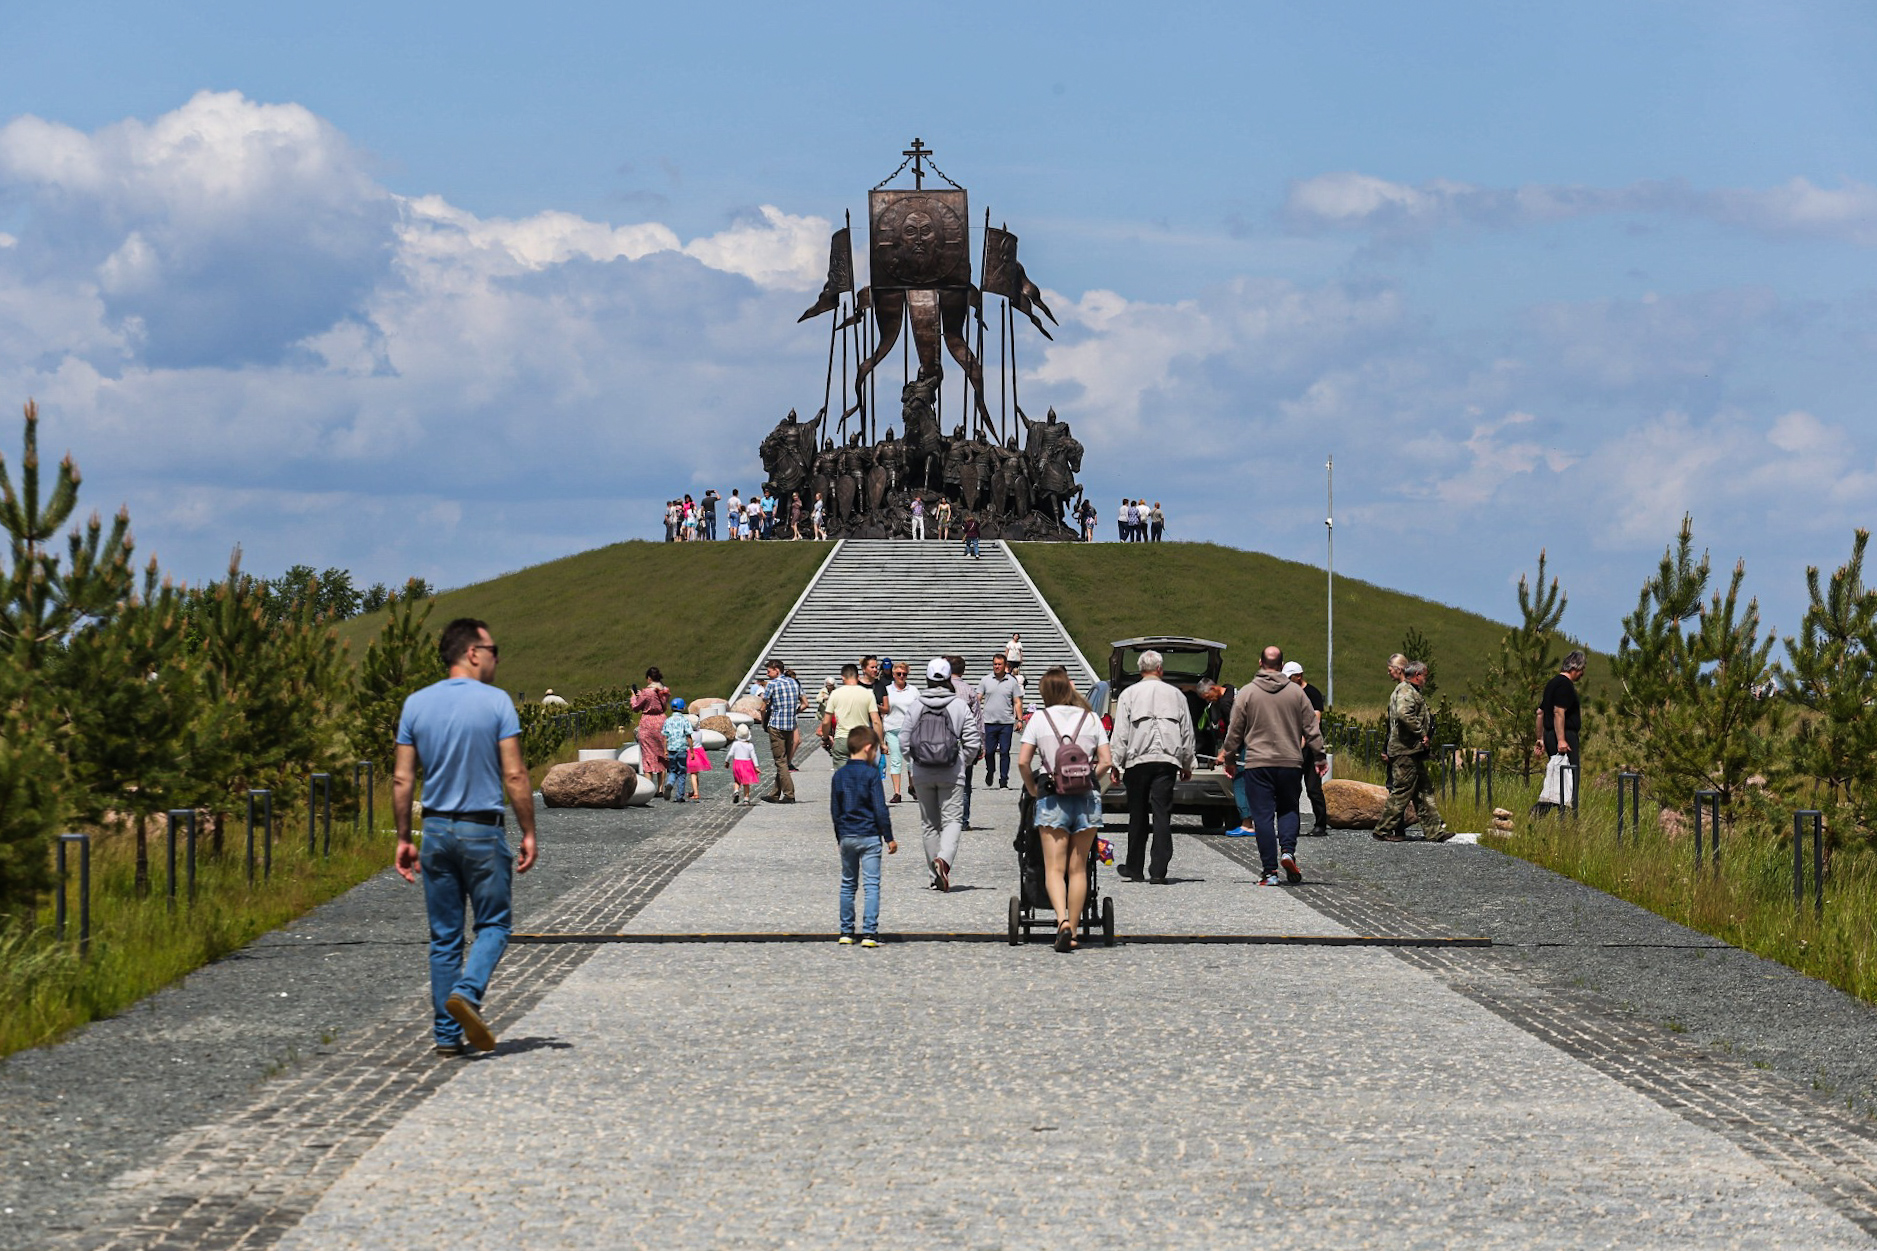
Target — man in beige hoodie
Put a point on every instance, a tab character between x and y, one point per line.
1273	721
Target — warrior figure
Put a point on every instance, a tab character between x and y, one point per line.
889	470
1055	457
851	474
924	445
788	452
955	464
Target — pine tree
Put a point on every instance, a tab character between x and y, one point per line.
1506	701
1691	708
1417	646
400	660
1831	674
31	793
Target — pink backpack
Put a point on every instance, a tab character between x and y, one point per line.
1074	773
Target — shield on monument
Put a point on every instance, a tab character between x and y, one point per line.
919	239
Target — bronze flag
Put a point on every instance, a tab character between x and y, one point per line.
919	239
1004	275
840	275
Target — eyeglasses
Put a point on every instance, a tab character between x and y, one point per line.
491	648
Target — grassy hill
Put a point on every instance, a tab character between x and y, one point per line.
699	611
1246	600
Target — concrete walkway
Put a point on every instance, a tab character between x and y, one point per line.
972	1095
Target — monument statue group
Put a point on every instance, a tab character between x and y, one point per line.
1017	475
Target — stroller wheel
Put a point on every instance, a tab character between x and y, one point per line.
1107	921
1016	920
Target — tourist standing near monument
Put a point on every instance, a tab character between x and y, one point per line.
861	825
1000	695
1067	790
943	739
734	514
918	516
651	702
1273	722
1121	521
466	737
1158	520
945	520
971	534
850	705
820	517
782	704
1410	738
1152	746
753	518
795	516
1312	776
710	514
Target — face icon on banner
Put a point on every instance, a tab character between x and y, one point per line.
920	240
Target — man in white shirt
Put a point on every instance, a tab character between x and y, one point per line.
1153	745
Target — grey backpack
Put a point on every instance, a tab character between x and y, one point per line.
933	743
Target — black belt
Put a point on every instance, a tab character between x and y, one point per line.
474	818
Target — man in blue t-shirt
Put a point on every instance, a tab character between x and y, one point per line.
466	737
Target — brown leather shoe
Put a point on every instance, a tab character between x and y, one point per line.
944	873
1395	837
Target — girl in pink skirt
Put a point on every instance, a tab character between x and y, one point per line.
698	761
743	770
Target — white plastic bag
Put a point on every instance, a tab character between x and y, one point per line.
1557	789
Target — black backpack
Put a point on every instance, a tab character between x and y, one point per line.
932	742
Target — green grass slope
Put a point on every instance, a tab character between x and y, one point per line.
1246	600
699	611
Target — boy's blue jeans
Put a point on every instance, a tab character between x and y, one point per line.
464	861
860	867
971	545
674	773
1274	794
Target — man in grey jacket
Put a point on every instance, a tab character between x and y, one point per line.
1152	746
940	784
1274	722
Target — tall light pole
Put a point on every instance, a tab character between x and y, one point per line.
1329	534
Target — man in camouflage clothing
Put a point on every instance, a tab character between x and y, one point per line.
1410	736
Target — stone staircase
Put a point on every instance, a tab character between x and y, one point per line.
913	601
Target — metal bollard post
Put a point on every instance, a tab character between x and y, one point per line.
325	789
1629	785
1817	821
1482	773
84	889
170	849
369	771
1712	801
267	835
1449	784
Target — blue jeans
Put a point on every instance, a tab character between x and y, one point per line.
674	774
997	738
464	861
1240	792
971	545
1273	793
710	526
860	866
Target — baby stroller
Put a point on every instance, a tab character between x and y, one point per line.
1031	899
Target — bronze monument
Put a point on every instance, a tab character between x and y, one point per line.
1016	475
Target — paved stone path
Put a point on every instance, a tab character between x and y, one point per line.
952	1094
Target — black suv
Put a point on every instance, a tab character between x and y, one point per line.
1185	660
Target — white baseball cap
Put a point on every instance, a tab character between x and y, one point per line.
1292	669
937	669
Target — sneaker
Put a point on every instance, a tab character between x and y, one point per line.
942	874
1243	831
467	1015
1287	861
846	940
1395	836
869	941
1270	879
447	1051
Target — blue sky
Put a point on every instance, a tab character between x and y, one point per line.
452	289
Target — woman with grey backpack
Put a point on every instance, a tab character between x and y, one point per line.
1066	740
941	738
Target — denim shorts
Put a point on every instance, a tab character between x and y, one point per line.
1073	813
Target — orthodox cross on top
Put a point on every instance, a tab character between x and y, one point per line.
919	154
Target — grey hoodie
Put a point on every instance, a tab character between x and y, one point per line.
944	702
1272	720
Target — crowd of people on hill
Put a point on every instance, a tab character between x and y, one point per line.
764	515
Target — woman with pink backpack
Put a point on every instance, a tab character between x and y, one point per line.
1066	740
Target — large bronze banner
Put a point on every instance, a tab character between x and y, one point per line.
919	239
